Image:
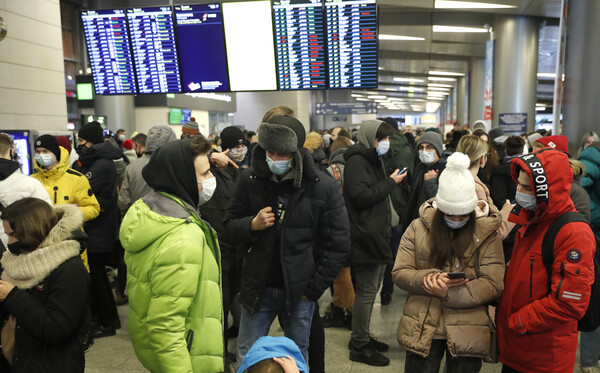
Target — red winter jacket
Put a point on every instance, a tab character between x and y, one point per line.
537	328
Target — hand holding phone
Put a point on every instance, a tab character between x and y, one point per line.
402	171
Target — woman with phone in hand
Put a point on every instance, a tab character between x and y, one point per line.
444	315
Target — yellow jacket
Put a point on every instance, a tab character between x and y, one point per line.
65	185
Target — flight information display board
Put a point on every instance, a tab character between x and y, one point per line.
352	43
299	37
201	44
109	51
155	51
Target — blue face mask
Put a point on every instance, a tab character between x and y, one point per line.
383	147
526	201
44	160
456	224
279	167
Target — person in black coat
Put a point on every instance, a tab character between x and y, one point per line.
290	222
367	189
502	186
96	163
44	289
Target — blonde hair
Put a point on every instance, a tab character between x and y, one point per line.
474	147
278	111
313	141
340	143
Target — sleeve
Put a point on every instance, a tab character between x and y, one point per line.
498	190
592	175
430	188
405	274
38	191
357	184
572	277
239	214
86	200
488	287
335	235
55	321
173	285
124	195
104	182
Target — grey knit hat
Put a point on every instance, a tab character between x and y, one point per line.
159	136
434	139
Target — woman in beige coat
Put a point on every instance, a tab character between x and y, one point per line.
444	315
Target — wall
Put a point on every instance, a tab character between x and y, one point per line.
148	117
251	106
32	82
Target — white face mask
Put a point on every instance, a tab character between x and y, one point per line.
456	224
208	189
121	137
426	157
44	160
237	154
383	147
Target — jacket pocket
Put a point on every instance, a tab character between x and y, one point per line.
189	338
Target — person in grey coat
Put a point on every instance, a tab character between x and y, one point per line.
134	186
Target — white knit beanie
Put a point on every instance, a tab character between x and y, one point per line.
456	188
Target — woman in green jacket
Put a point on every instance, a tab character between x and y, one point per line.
173	261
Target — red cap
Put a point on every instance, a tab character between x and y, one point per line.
64	142
127	144
558	142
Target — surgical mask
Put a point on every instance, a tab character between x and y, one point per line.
83	150
208	189
121	137
456	224
44	160
18	247
426	157
526	201
279	167
383	147
237	154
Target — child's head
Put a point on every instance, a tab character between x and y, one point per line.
265	366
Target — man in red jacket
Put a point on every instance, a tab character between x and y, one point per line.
537	326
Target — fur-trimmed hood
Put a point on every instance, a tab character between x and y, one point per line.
313	142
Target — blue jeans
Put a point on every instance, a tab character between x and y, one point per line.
296	327
589	348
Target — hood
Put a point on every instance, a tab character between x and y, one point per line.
551	178
591	153
368	131
338	156
108	149
7	168
361	150
58	170
319	155
269	347
158	136
70	219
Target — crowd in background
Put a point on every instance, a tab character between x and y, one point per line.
250	227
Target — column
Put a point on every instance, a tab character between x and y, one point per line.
120	112
582	82
515	67
460	100
476	89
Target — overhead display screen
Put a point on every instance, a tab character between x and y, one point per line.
201	42
250	49
299	37
109	51
155	53
352	43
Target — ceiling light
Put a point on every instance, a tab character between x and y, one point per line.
546	75
441	79
362	99
446	73
356	95
434	93
377	97
409	80
439	85
435	98
540	108
380	101
438	89
398	37
440	28
445	4
380	68
411	89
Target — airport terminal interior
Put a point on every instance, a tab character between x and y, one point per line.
522	66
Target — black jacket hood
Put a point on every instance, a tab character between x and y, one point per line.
7	168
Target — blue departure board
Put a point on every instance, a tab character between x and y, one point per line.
352	43
155	53
300	44
201	43
109	51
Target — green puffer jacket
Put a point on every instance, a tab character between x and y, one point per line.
174	281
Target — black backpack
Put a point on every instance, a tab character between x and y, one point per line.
591	319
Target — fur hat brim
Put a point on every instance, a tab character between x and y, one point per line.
277	138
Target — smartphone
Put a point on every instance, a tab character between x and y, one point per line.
456	275
402	171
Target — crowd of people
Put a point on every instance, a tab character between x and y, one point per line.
253	226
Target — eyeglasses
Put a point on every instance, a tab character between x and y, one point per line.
426	147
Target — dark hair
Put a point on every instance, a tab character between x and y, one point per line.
31	220
250	134
140	138
480	132
340	143
6	143
447	243
200	145
344	132
384	130
514	145
265	366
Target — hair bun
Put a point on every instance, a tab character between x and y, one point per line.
458	161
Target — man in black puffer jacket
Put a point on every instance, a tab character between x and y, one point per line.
291	222
367	189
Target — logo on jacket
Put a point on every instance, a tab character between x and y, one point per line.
574	256
40	287
89	175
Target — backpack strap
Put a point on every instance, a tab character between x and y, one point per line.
550	238
337	175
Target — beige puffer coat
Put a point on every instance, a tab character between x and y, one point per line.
463	309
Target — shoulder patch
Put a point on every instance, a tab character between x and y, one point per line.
574	256
73	172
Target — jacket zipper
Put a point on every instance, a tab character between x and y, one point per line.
189	338
562	277
55	192
531	276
